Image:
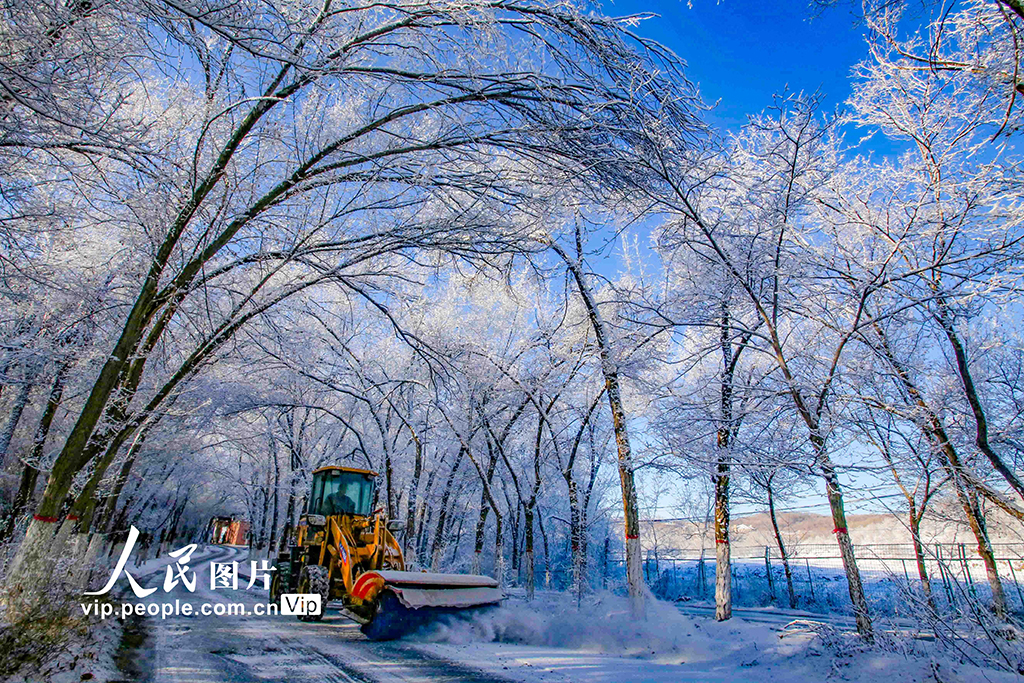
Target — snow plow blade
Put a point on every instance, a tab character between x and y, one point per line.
409	600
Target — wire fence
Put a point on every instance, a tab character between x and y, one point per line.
952	573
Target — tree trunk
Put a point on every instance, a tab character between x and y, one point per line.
513	524
478	546
782	547
922	569
389	484
426	516
981	439
85	504
630	509
723	559
575	532
437	547
935	431
30	470
975	519
499	550
723	553
547	555
578	509
289	516
853	581
20	401
528	531
414	486
485	508
272	543
107	517
458	532
84	442
26	487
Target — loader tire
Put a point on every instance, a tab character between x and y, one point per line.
276	589
392	619
313	579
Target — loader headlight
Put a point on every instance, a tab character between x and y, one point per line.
316	520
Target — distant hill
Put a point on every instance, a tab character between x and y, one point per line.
801	529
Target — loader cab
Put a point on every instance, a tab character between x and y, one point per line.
341	491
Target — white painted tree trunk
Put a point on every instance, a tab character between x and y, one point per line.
499	566
78	570
31	563
95	559
723	581
635	579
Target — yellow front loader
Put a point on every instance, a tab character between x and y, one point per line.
344	550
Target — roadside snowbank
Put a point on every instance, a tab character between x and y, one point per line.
89	655
63	645
552	641
601	624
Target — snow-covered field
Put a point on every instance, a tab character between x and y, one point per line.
820	586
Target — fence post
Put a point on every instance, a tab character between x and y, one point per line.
810	579
768	572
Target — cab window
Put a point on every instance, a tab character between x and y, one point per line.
342	493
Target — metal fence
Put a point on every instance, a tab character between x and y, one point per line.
890	574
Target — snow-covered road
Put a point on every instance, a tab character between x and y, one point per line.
258	649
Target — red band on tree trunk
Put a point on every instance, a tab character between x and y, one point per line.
721	541
839	529
72	518
630	537
40	518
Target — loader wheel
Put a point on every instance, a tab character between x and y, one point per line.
392	619
276	589
313	579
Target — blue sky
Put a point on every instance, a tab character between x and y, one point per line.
742	52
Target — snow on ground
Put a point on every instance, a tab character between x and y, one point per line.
89	656
550	640
553	642
88	652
